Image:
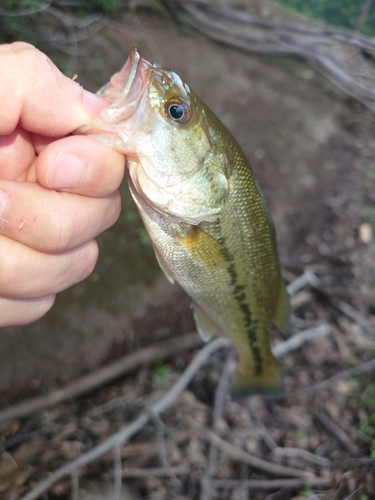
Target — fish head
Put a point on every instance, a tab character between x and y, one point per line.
162	127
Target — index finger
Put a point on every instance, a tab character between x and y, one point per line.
34	93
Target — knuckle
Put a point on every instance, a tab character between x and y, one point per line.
114	209
87	257
63	230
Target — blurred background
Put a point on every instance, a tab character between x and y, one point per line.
293	81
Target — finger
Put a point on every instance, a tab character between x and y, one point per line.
14	312
16	154
35	93
26	273
80	165
53	222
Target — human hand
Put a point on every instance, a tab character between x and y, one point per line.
57	192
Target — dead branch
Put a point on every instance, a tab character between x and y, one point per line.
307	278
126	432
355	315
270	484
102	376
344	375
310	278
334	52
301	299
171	472
337	431
242	456
75	486
299	339
266	436
117	475
301	453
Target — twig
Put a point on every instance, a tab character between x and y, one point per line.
337	431
242	456
266	436
220	395
307	278
75	486
179	470
221	392
301	453
299	339
162	451
25	12
126	432
301	299
353	493
353	462
355	315
150	449
160	438
117	476
364	14
102	376
352	372
270	484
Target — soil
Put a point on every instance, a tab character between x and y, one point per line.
312	149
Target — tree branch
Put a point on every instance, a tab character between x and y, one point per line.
102	376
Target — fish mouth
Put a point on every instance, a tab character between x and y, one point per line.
126	88
124	92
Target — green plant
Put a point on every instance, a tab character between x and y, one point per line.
344	13
367	428
161	375
306	492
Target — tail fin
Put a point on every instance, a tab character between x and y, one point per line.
246	383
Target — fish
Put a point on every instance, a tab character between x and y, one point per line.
203	211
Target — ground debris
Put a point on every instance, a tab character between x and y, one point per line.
319	439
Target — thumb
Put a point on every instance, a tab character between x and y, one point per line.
34	93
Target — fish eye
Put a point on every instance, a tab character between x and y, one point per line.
178	111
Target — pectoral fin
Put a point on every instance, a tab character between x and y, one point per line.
246	382
204	249
205	326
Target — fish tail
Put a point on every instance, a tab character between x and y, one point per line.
246	382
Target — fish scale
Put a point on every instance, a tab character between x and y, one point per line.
203	210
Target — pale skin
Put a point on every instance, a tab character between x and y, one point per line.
57	192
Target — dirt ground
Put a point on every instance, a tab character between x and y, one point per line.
312	149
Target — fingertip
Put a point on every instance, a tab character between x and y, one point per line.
51	105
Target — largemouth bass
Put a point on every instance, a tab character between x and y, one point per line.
203	210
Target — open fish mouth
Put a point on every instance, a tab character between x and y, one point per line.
124	93
126	88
